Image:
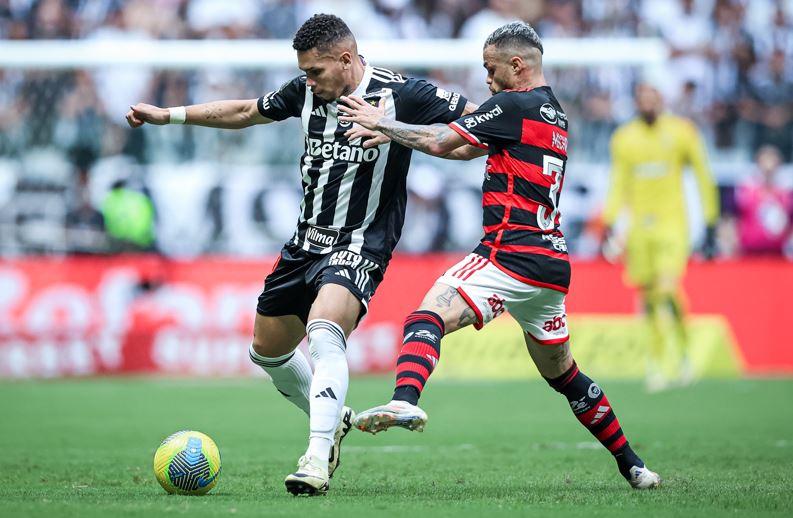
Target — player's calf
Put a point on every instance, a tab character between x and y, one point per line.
593	410
421	350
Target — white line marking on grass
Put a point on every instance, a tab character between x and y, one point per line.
397	448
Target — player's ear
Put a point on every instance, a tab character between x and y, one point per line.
346	60
517	64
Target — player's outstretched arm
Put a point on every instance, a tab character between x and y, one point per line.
217	114
434	140
467	152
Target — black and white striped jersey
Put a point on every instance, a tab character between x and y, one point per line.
354	198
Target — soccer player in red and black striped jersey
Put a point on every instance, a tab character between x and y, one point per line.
521	263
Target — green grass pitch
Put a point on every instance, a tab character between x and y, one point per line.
85	447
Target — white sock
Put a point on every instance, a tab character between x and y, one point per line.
291	375
327	345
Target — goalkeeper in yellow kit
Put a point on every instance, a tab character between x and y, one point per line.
649	154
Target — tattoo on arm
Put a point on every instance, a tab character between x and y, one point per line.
213	111
428	139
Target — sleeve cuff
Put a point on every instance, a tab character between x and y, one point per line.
469	137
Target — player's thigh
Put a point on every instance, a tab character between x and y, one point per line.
446	302
551	360
480	285
670	265
345	283
275	336
335	302
543	318
639	259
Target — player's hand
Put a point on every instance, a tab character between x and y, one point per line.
354	109
709	245
142	113
370	138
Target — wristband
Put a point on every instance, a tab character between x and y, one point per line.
178	115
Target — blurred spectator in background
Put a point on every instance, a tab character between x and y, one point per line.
129	219
765	208
85	226
770	107
427	219
732	55
649	154
731	71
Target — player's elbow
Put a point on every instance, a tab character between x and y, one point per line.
438	149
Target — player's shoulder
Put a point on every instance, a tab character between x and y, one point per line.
628	128
291	89
625	133
539	104
388	78
295	84
680	123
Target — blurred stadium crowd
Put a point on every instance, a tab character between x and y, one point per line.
75	179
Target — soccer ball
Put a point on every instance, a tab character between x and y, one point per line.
187	463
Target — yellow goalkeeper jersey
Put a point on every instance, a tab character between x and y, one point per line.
647	175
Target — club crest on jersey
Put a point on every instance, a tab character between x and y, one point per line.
374	96
548	113
337	151
322	237
473	120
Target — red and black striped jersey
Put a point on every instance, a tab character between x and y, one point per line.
525	133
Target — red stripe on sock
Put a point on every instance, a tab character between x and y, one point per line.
569	378
423	317
402	382
619	443
610	429
591	417
413	367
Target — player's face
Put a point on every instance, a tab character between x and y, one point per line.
325	72
499	70
648	101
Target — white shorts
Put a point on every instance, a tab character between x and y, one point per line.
489	291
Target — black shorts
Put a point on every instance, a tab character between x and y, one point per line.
297	276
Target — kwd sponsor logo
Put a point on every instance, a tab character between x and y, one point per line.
473	120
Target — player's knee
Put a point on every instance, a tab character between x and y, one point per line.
259	347
271	348
556	361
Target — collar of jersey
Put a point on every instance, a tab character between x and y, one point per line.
360	90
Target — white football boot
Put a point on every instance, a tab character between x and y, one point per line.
394	413
311	478
643	478
345	425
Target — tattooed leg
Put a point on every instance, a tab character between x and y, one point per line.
447	303
442	312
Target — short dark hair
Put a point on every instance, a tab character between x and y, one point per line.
515	34
321	31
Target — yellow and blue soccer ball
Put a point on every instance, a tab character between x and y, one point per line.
187	463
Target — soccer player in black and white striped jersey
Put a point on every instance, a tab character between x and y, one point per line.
350	220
